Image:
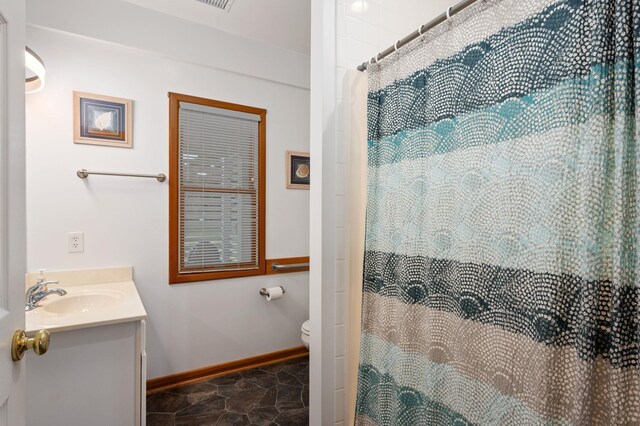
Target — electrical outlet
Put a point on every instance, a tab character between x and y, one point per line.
75	242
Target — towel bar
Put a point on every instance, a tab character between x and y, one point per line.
278	267
83	174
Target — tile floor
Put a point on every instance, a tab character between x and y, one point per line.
274	395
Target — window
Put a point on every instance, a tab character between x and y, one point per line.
216	189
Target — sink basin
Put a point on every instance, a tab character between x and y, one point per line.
95	297
76	303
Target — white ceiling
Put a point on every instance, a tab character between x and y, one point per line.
284	23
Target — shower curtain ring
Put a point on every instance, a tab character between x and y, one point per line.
419	30
375	59
448	13
395	46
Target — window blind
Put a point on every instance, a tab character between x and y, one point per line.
218	189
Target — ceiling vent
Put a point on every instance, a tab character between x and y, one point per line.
220	4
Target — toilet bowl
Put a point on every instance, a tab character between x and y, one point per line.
306	333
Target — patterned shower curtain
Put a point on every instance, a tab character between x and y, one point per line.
501	275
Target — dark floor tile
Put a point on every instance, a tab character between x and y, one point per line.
246	384
209	405
256	372
266	382
233	419
260	378
296	417
245	400
199	396
202	419
276	395
303	375
285	378
289	405
296	366
289	393
159	419
269	399
263	416
194	387
228	390
229	379
273	368
166	403
302	378
294	369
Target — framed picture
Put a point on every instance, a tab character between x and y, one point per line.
298	170
102	120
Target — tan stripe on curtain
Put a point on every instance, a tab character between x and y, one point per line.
356	98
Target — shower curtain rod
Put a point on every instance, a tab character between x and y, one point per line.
453	10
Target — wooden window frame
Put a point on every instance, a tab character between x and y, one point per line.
174	184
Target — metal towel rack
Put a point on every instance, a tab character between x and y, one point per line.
278	267
83	174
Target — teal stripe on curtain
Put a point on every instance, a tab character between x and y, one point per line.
564	41
410	406
571	101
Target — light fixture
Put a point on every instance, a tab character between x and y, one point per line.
359	6
34	72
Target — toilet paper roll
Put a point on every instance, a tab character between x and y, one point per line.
274	293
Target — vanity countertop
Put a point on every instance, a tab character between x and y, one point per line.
95	297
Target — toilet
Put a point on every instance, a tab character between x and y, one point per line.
306	332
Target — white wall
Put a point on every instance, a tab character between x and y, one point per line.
360	34
125	220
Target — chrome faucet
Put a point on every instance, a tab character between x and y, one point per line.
39	291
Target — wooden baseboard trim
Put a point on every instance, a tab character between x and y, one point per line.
160	384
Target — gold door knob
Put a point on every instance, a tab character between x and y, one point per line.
21	343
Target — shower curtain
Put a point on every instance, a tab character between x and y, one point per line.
501	272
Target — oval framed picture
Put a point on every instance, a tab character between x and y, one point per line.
298	170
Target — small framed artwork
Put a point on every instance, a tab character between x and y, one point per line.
102	120
298	170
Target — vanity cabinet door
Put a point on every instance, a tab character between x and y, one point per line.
89	377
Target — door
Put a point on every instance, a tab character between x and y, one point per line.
12	207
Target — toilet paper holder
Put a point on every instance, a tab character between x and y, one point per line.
263	291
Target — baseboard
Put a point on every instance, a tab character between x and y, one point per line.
160	384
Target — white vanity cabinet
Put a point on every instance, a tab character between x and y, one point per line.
94	372
90	376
